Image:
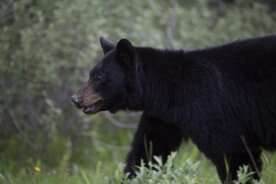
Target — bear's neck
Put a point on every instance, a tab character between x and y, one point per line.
160	77
169	80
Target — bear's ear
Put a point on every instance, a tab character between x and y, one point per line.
125	53
106	45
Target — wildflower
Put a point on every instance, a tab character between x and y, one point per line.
37	169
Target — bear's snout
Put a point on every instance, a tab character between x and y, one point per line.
76	100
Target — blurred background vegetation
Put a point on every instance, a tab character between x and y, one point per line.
46	50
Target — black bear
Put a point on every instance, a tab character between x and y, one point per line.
223	98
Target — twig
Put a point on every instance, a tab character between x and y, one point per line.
109	146
117	123
171	26
14	121
251	156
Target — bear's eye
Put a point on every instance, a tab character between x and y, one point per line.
98	78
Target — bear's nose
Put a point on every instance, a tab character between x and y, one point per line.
76	100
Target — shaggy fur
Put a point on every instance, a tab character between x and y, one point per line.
223	98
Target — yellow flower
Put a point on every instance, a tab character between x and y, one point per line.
37	169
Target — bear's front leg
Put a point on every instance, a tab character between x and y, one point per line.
152	138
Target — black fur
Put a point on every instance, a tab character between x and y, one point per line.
223	98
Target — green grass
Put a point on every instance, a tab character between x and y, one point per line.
187	167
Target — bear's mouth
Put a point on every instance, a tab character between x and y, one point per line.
93	108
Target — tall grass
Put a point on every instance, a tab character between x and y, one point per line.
186	167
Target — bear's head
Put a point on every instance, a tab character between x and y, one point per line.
112	82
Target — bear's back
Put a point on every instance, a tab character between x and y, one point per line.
248	61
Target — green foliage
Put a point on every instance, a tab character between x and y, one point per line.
179	169
245	175
165	174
